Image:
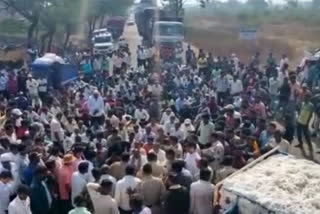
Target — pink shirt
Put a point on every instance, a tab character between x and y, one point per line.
260	110
64	181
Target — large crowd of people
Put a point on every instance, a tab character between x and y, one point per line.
151	139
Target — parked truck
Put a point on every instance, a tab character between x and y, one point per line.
161	28
115	26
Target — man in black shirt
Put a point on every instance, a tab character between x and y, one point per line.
177	200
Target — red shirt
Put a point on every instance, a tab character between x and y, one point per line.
64	181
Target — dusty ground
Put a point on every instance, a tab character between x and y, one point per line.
221	37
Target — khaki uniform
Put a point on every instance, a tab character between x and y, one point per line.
152	190
118	170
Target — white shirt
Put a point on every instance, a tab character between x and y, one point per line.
192	162
145	210
236	87
103	204
122	187
157	90
201	195
5	192
205	132
96	105
18	206
161	156
78	183
274	85
166	118
112	179
168	127
141	55
43	85
32	86
3	82
186	130
284	145
55	126
117	61
177	133
141	114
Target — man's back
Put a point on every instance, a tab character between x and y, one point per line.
177	200
127	183
201	193
117	170
103	204
152	198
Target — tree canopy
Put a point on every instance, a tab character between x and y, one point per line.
49	15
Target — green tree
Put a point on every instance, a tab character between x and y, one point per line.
258	4
29	9
99	9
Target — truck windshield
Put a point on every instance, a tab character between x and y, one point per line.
170	30
102	39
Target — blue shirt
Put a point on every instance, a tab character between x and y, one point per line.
28	174
179	104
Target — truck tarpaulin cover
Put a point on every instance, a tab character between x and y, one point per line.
54	68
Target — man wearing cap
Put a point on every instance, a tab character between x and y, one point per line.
96	108
64	182
21	101
187	128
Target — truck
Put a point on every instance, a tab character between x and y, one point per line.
275	183
56	70
115	26
103	44
162	28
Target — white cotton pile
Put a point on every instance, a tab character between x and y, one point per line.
282	184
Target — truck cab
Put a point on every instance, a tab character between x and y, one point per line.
168	36
103	44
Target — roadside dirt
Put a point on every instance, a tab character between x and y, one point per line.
221	37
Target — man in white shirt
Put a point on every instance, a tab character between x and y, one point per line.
201	194
141	114
236	86
277	140
157	90
102	202
96	108
140	56
161	154
124	187
5	191
274	85
206	129
3	82
32	86
169	126
79	180
21	203
57	132
215	153
166	116
192	159
176	131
